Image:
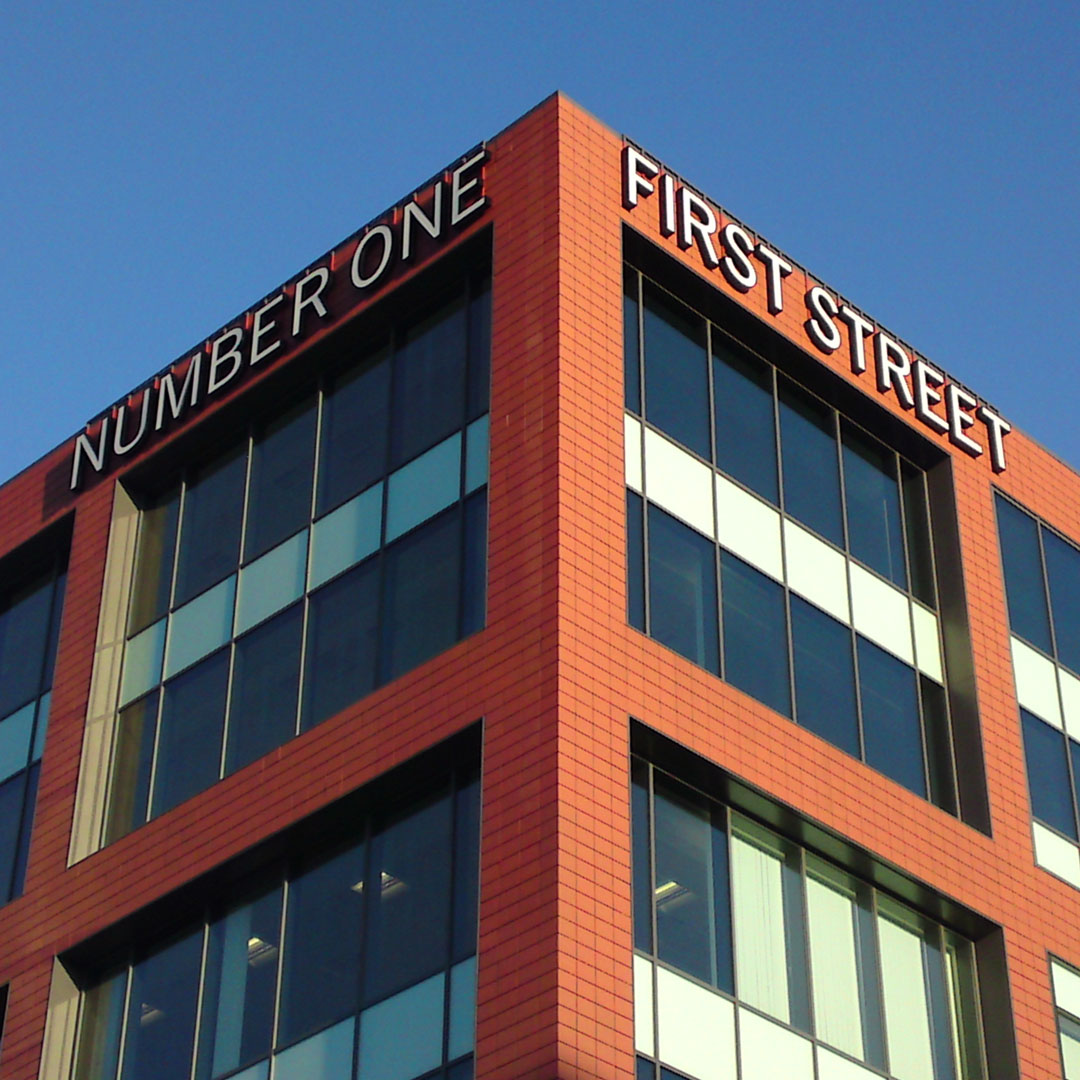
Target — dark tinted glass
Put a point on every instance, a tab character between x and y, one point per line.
939	758
429	383
642	867
811	473
890	708
154	561
238	987
745	424
210	529
266	680
1048	774
11	806
755	633
282	469
645	1069
631	341
342	637
54	630
872	497
474	564
100	1026
420	605
1063	573
917	523
24	630
1024	586
466	868
676	375
133	758
684	917
160	1030
352	442
189	743
323	944
682	590
22	854
408	911
462	1070
635	561
824	676
479	349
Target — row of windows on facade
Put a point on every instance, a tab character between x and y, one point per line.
358	963
740	909
341	545
689	379
29	629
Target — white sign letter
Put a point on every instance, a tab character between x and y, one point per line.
387	237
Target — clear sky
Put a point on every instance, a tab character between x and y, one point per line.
163	166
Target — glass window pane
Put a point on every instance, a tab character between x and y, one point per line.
907	1010
917	524
1024	585
420	608
422	488
342	634
352	443
409	911
462	1033
1063	573
429	382
129	786
282	469
402	1036
210	529
326	1056
154	560
631	361
238	987
745	423
1048	774
474	565
266	681
642	863
189	744
755	633
682	590
350	533
824	676
322	946
939	756
100	1026
11	807
160	1030
872	494
15	735
143	655
43	706
476	454
967	1040
811	472
466	867
676	372
26	826
271	582
200	627
479	347
24	629
1070	1046
890	710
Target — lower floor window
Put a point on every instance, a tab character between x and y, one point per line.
359	963
751	947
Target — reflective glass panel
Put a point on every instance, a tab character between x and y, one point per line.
133	759
154	560
1063	574
100	1027
676	371
635	560
143	656
350	533
642	846
466	867
890	708
402	1036
422	488
474	565
682	590
271	582
24	629
1024	587
12	794
1048	774
872	498
15	734
200	626
325	1056
631	338
917	524
479	391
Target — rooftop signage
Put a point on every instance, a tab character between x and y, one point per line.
747	264
321	297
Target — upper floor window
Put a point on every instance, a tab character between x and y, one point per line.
336	545
30	610
357	962
736	928
1066	986
781	546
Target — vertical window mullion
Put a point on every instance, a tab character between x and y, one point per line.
121	1049
199	1001
875	918
279	985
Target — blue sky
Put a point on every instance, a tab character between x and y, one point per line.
164	166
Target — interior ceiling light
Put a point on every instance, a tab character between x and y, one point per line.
259	951
669	891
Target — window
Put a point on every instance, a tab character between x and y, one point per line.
737	929
780	546
359	962
1066	985
30	611
1042	586
334	547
